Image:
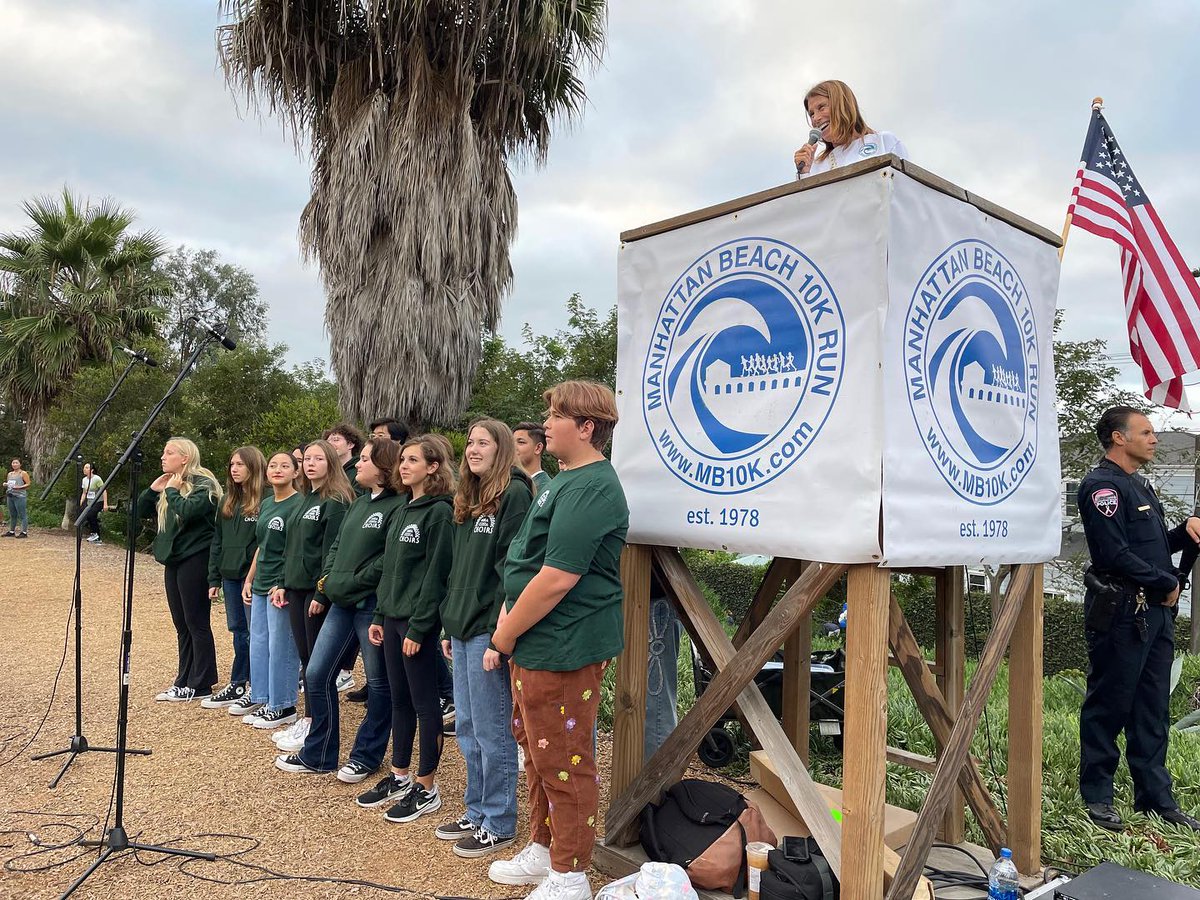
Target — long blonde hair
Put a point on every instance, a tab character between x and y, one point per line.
247	496
846	121
336	483
480	495
192	470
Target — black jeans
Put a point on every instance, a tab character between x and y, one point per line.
1128	689
187	599
305	629
414	685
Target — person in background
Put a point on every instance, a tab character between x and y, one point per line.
274	661
530	440
183	502
562	624
310	535
233	544
491	502
91	487
17	485
416	565
348	442
346	595
392	429
833	110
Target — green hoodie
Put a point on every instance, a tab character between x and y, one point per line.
232	548
355	561
189	526
274	520
476	587
416	564
310	534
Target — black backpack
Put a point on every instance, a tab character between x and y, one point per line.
704	827
806	877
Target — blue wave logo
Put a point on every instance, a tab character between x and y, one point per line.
971	358
743	366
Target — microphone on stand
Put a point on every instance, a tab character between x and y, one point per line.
140	355
217	331
814	136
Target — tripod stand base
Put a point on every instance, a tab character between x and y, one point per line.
117	841
79	744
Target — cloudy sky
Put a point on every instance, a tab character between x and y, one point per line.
697	101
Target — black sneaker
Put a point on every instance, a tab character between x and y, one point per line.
453	831
353	772
358	696
23	534
10	534
225	697
447	710
273	718
480	843
292	762
389	788
1179	817
415	804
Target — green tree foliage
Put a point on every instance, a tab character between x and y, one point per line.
199	284
510	380
73	286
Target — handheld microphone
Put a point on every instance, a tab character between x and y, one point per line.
217	331
814	136
140	355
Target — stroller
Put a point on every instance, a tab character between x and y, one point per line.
827	671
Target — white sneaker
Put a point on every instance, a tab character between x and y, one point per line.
291	740
563	886
530	866
345	682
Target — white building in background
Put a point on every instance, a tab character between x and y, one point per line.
1173	475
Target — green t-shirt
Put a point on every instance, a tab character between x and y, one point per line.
540	482
578	525
271	530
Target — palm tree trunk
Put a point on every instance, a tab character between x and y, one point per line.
39	442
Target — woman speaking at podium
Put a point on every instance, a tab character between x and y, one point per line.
845	137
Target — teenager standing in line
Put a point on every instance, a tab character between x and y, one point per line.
233	544
17	484
490	504
91	487
183	502
348	442
530	440
416	565
562	624
310	535
274	662
347	589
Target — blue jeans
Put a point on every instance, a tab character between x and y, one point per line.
342	627
274	662
662	678
17	512
237	620
483	729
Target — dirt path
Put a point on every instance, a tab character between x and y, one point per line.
208	773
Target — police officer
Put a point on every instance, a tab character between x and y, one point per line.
1129	615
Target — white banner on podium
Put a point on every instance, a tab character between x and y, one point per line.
748	378
971	462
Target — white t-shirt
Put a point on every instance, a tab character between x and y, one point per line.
877	143
92	486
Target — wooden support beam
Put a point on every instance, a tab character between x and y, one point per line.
864	772
629	702
940	719
797	682
1025	733
954	756
736	676
911	760
931	665
951	658
779	572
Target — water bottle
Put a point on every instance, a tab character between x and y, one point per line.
1003	883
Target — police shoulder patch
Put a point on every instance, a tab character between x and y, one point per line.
1106	501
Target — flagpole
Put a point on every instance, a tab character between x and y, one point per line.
1097	103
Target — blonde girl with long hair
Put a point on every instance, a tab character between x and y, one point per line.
233	544
846	137
183	502
494	494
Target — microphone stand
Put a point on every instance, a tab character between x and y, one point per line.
78	743
117	839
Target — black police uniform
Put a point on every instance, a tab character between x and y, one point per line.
1129	657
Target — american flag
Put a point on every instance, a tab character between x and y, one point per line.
1162	298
